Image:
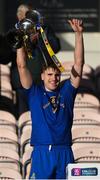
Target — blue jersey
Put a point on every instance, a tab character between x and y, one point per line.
52	114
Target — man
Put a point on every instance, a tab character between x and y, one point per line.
10	55
6	43
21	11
51	107
7	40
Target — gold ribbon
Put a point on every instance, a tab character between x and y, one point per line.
50	51
26	45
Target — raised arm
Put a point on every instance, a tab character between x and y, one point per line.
24	73
76	72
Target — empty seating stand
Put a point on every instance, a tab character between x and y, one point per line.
85	136
24	124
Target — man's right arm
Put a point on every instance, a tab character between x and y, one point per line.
24	73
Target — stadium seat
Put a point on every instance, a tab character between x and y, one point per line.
23	120
25	161
86	100
86	117
87	154
86	133
8	173
9	157
25	138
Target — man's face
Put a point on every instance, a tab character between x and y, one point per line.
21	11
51	78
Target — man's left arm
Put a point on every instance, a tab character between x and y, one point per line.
76	72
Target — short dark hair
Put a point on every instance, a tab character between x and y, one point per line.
50	65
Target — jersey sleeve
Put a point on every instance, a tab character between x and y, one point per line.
30	91
69	90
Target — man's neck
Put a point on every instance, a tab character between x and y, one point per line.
48	89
